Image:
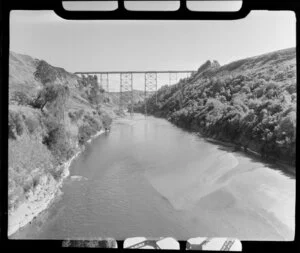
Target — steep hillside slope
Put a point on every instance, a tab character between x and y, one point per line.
250	102
52	114
21	77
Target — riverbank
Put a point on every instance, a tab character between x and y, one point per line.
42	196
288	169
250	148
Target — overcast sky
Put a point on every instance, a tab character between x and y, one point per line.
147	45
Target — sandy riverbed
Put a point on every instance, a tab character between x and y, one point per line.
231	197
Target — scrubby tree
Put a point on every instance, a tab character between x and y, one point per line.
56	139
56	95
45	73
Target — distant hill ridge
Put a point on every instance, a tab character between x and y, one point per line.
246	64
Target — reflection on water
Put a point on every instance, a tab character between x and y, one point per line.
149	178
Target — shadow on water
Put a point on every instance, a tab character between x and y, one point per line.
285	169
271	163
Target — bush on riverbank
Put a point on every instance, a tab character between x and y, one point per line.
57	140
84	133
89	128
76	115
106	120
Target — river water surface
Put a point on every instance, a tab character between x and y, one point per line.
148	177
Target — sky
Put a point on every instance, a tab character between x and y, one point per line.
147	45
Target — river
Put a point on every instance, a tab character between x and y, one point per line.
148	177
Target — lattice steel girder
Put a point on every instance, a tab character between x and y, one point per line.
104	81
151	81
126	82
172	78
126	85
136	72
187	74
150	85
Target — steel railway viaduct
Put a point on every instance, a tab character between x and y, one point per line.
126	81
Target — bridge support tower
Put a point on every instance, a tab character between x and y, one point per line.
150	85
126	90
172	78
104	81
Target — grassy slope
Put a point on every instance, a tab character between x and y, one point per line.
29	158
21	78
250	102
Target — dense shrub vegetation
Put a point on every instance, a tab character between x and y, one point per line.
46	127
15	125
76	115
54	97
106	120
45	73
93	92
253	107
84	133
90	127
56	139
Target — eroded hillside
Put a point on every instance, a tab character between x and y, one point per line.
52	114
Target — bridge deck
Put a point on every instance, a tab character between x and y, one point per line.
135	72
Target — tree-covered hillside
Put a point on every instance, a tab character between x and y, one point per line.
250	102
51	114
